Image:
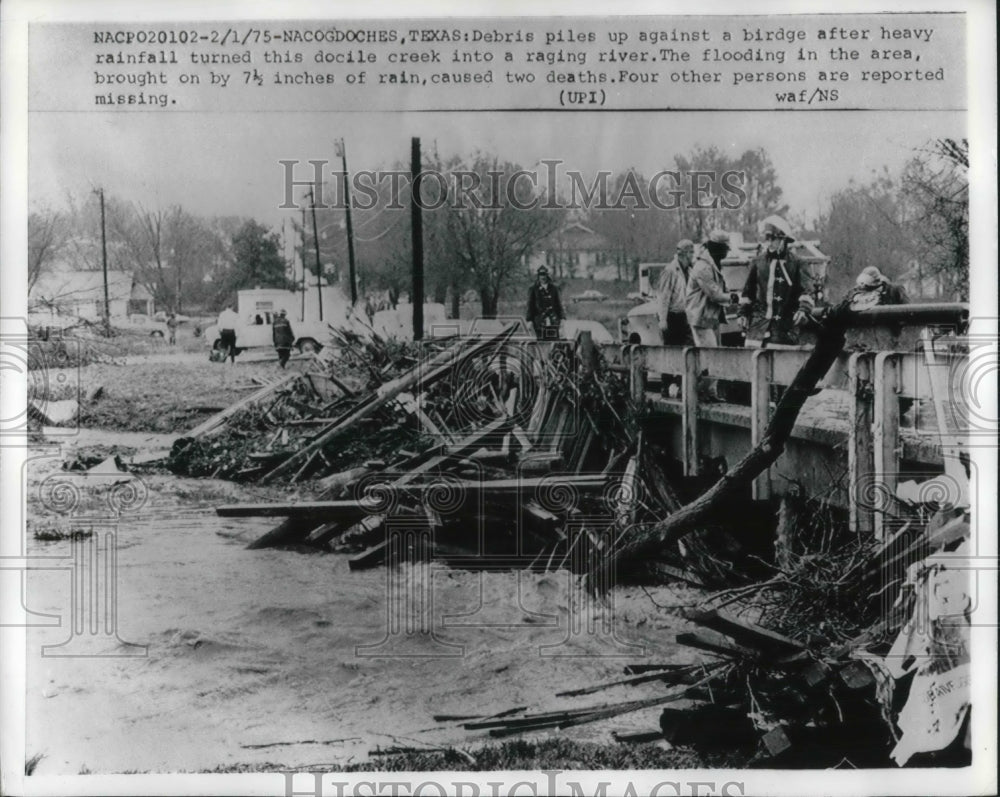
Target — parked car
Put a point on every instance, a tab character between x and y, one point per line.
163	316
140	323
589	296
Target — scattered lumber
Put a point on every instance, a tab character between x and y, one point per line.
217	420
422	376
747	634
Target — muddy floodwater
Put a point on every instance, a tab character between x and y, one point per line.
227	656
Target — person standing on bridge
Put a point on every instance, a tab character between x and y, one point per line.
545	312
672	292
707	299
874	289
777	296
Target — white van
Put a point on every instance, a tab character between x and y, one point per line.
257	310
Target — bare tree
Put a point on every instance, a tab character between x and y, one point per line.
937	183
48	233
491	222
867	224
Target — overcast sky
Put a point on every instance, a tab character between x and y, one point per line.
227	163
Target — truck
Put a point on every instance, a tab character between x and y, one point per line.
258	307
642	325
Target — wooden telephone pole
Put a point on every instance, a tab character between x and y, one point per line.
417	237
342	151
104	265
319	268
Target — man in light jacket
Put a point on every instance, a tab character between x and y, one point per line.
707	298
228	321
672	312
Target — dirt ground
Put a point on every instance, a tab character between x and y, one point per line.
230	658
166	392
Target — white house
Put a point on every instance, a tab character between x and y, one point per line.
81	293
576	251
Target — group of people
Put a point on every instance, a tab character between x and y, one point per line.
776	301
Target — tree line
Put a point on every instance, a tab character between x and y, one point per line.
478	239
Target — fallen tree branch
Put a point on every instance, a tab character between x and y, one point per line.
653	538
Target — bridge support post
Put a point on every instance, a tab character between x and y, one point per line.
860	458
886	443
760	401
689	418
637	374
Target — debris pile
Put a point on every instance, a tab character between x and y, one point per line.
489	445
825	649
888	682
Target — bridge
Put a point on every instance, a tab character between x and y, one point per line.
893	408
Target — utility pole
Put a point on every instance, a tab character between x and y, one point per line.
302	265
319	268
417	231
104	266
342	151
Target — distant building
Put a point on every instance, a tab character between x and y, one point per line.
576	251
81	293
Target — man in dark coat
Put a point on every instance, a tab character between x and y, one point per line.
281	333
777	296
545	311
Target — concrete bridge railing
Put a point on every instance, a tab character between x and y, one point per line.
881	417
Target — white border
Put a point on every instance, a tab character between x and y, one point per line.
13	215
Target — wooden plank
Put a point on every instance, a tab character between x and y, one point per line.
422	375
216	420
689	411
860	462
363	506
333	379
681	675
337	485
677	574
746	633
885	439
453	452
300	509
762	361
715	643
637	373
290	530
429	425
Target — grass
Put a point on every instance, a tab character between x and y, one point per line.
520	755
53	534
556	753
